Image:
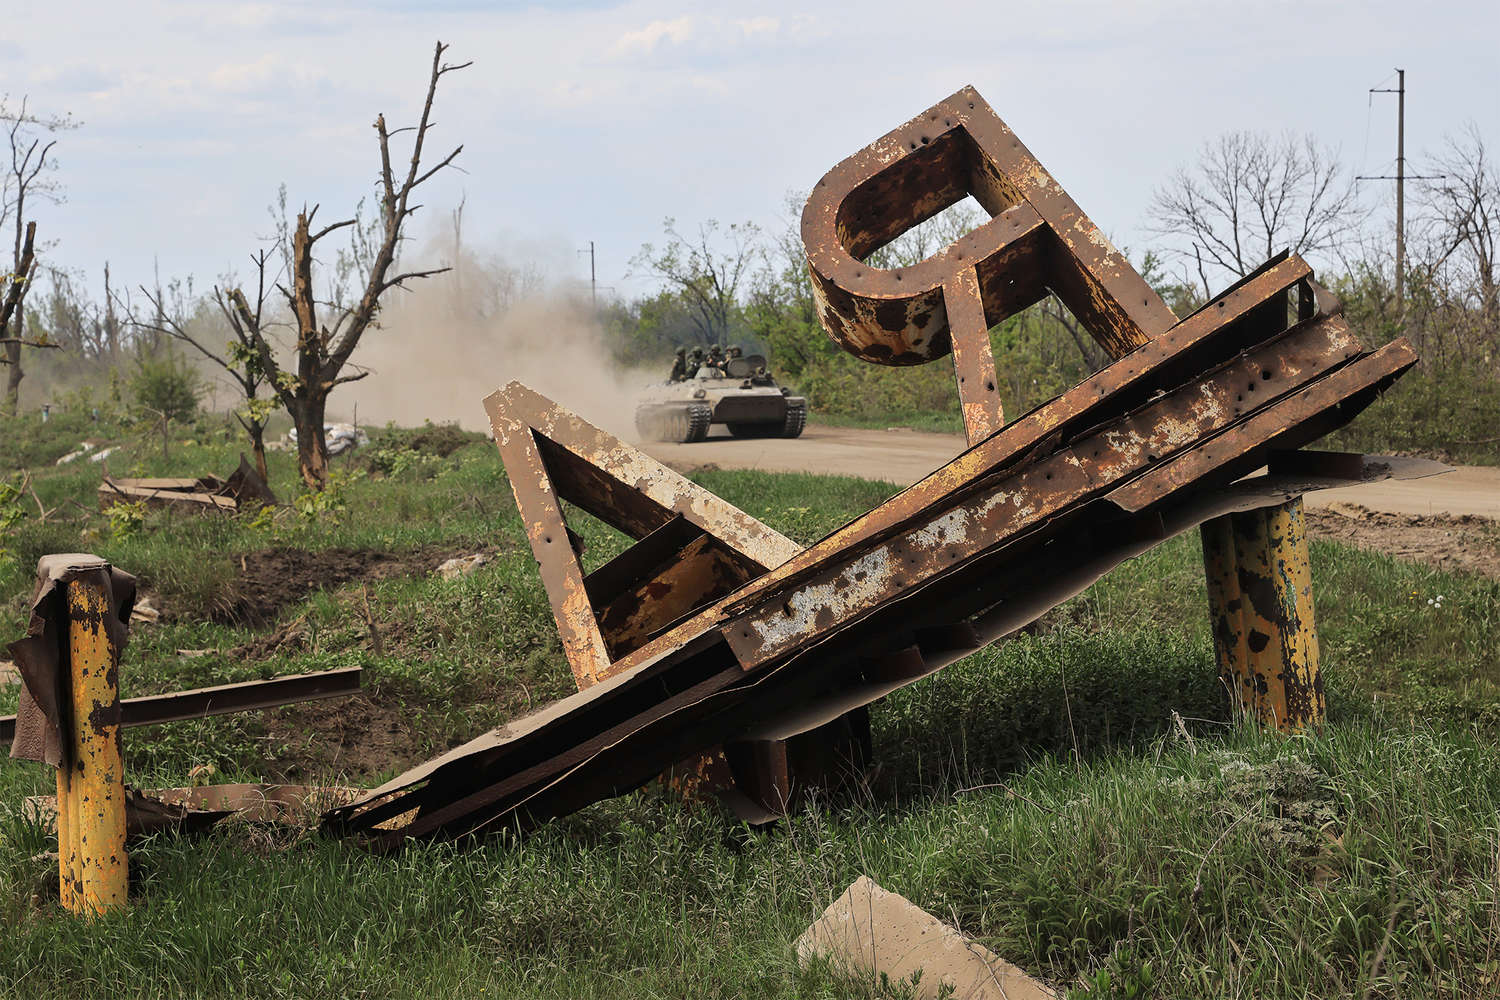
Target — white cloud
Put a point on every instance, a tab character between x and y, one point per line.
676	31
759	26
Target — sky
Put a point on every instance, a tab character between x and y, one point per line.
589	120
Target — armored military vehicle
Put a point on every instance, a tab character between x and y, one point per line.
740	395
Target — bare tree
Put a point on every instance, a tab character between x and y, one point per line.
326	331
1460	219
28	176
707	271
16	284
1248	197
239	356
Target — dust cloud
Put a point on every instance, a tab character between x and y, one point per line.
449	341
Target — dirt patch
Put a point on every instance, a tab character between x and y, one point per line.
360	736
1464	544
272	579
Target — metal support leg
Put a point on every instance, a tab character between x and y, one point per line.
95	806
1261	605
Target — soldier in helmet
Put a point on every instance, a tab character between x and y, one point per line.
735	351
715	357
679	365
695	361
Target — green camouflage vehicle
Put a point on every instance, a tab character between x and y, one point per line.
740	395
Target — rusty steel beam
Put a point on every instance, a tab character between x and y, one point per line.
612	737
553	456
716	641
226	699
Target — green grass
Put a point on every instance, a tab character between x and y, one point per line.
1104	845
936	422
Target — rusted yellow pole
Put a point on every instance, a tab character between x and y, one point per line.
1279	681
67	837
1221	574
97	809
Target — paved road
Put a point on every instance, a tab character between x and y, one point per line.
902	457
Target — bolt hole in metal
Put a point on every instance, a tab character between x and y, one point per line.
1265	374
989	387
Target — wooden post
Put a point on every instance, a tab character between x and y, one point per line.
92	812
1261	606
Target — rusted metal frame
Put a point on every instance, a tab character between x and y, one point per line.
602	763
1235	449
513	784
638	720
561	572
612	763
1139	375
864	579
553	455
631	468
638	561
590	718
702	571
226	699
959	146
973	359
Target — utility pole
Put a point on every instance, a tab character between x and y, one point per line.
1400	178
593	282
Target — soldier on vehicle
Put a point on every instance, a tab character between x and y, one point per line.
716	357
679	365
695	361
735	351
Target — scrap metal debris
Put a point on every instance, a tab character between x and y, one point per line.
191	810
206	493
714	634
227	699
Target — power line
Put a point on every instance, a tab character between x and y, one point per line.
1400	178
593	282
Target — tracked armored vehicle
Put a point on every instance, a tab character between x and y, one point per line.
740	395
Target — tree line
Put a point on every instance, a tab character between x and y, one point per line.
288	337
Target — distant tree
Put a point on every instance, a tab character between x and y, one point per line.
166	389
1460	218
1249	196
28	177
707	271
232	347
326	331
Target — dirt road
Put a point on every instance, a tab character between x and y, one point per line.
903	457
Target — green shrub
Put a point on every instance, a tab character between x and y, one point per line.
1452	413
166	387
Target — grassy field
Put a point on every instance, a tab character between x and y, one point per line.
1107	851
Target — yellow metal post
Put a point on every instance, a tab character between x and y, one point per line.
67	837
96	811
1224	600
1274	649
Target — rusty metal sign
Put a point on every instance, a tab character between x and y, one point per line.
716	636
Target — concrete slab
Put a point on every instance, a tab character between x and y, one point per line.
868	931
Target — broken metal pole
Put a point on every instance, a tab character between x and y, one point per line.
92	863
